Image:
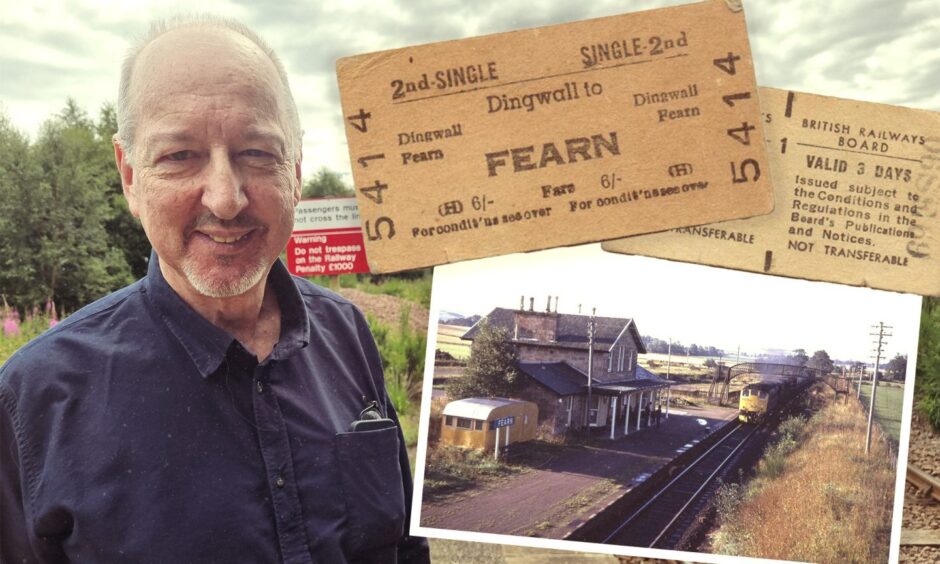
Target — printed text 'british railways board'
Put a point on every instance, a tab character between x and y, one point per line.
857	190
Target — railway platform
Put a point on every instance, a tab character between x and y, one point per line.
561	494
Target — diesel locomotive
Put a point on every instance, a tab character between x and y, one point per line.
757	400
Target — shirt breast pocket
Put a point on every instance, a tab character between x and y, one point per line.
370	476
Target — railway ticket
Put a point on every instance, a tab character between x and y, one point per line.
554	136
857	192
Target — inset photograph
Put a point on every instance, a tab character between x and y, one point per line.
581	400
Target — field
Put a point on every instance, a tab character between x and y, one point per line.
448	340
889	403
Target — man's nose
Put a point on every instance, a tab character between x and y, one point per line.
223	193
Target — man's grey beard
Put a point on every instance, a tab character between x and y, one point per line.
245	282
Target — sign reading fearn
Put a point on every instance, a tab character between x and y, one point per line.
555	136
327	238
503	422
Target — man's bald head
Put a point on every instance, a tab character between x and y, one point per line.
129	95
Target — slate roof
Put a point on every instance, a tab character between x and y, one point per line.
631	385
566	380
644	374
559	377
572	328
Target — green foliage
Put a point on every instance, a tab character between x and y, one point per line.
820	361
732	537
402	351
57	197
799	357
928	361
326	183
491	369
451	468
896	368
31	327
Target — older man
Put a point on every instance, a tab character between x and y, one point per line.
219	410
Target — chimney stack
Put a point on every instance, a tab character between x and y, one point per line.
522	303
556	304
548	305
531	304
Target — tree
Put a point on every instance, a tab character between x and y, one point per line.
491	369
897	367
124	230
54	212
326	183
798	358
18	206
821	362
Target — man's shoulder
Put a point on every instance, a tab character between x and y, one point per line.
92	323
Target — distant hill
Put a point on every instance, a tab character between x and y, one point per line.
450	318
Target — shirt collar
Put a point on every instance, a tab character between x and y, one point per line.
206	344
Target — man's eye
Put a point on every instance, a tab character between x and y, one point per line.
255	153
179	155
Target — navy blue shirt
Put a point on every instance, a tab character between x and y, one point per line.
137	431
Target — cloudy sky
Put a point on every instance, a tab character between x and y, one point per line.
871	50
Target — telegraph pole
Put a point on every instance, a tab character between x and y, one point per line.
587	408
668	358
874	382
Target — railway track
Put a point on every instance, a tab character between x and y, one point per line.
662	520
927	486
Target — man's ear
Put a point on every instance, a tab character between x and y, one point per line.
298	188
126	170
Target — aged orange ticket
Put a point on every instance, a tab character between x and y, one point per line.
857	190
555	136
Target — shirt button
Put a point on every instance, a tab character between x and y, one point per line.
279	481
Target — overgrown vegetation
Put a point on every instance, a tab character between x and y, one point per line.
402	352
928	361
450	469
17	332
816	496
491	369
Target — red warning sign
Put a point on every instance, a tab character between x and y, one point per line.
327	238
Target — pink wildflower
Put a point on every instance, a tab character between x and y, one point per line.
11	326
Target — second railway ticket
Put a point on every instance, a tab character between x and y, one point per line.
858	189
555	136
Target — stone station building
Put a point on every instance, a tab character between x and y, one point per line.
555	352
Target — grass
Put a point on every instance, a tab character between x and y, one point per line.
450	469
816	496
31	327
889	404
